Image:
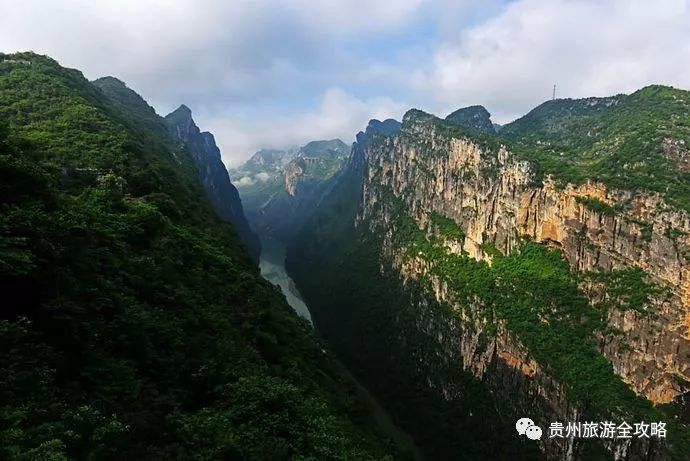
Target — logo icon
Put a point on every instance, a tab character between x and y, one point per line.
526	427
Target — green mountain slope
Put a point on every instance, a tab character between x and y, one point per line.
634	142
457	281
135	325
476	118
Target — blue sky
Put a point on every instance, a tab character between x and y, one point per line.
277	73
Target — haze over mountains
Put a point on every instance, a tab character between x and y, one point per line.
465	275
280	189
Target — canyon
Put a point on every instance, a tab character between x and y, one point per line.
435	206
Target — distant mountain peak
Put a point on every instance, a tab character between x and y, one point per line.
476	118
183	109
110	79
324	149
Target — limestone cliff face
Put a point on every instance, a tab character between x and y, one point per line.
213	175
293	171
499	200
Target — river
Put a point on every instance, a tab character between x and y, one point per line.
272	265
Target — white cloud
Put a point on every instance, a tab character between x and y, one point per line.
275	73
510	62
338	115
263	176
220	58
244	181
185	50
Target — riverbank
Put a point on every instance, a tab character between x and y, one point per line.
272	265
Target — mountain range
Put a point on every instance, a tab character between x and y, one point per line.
466	274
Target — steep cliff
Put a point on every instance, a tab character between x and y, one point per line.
213	175
540	276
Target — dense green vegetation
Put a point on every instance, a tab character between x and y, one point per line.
537	297
476	118
625	288
135	326
447	227
596	205
372	319
617	140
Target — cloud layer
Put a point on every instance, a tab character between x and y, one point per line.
262	73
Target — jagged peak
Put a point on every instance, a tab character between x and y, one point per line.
209	136
387	127
181	122
182	110
182	114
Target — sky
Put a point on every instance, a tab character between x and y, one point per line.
280	73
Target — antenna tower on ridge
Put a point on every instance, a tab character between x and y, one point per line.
553	98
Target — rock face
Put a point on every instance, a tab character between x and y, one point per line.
281	189
497	201
213	174
494	198
506	206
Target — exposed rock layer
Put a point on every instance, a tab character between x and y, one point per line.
213	175
496	198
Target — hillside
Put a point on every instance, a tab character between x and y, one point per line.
280	189
634	142
136	325
483	277
206	155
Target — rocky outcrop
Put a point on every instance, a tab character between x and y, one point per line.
498	199
213	175
293	172
495	199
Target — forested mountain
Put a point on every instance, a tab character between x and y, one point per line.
468	276
134	324
476	118
282	188
202	146
471	278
